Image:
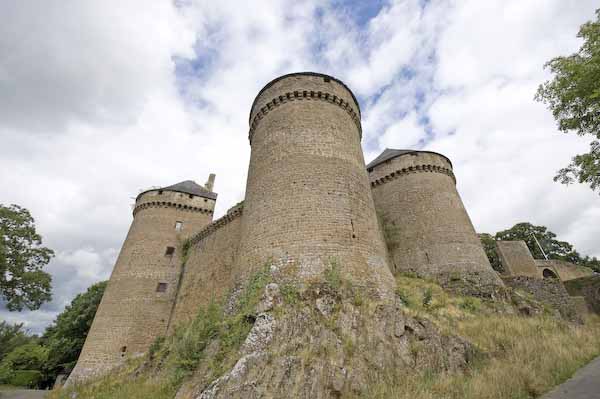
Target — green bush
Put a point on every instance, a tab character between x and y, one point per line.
25	378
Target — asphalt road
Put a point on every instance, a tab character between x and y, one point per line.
23	394
585	384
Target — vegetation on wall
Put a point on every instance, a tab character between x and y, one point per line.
554	249
573	96
23	283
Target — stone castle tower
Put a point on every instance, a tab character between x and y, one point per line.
426	225
310	204
140	295
308	198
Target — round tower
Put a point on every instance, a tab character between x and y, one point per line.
136	306
308	202
425	224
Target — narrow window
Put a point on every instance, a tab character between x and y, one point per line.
170	251
123	350
161	287
191	196
159	192
178	226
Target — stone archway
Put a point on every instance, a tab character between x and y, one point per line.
547	273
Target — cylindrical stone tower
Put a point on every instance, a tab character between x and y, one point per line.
308	202
425	224
136	306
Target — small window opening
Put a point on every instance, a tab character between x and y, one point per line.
178	226
326	79
191	196
159	192
123	350
161	287
205	200
170	251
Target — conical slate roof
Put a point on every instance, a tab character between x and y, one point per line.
187	187
390	153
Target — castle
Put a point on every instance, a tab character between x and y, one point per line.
310	199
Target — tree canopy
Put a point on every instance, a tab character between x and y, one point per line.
573	96
554	249
23	283
66	336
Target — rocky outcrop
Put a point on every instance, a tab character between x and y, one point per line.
325	342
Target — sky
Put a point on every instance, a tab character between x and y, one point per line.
102	99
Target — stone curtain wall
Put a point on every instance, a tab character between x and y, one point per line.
209	272
564	270
426	226
517	259
132	312
550	291
308	201
587	287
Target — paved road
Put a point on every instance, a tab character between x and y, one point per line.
585	384
23	394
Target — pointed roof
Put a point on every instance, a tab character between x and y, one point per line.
191	187
390	153
187	187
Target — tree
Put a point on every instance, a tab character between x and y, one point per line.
11	336
573	96
66	336
489	245
553	248
23	283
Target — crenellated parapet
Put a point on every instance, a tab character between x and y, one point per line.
307	95
217	224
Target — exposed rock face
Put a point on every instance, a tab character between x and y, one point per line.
329	345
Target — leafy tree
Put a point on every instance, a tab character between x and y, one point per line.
489	245
30	356
23	283
573	96
11	336
554	249
65	337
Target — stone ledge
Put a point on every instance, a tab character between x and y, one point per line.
414	169
168	204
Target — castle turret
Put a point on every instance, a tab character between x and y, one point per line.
137	304
308	202
427	228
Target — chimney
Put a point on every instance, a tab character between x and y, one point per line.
210	183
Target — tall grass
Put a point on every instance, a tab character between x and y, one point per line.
525	357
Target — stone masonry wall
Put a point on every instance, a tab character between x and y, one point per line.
587	287
564	270
426	226
517	259
209	272
308	202
550	291
133	310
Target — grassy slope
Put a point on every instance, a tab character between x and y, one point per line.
523	357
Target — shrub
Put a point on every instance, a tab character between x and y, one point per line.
25	378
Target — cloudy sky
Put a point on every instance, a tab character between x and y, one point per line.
101	99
